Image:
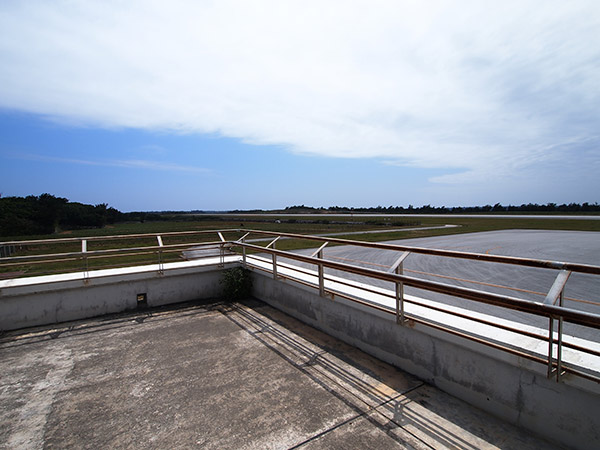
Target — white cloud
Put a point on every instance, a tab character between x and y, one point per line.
491	88
123	163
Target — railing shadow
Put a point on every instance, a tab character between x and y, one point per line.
403	407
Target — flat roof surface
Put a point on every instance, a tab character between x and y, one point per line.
221	375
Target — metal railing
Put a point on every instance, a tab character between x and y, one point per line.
551	308
164	247
64	255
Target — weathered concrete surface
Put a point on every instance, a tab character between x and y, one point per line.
499	383
216	375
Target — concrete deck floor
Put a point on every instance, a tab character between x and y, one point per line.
218	375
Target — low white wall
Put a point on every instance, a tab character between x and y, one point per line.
484	377
45	300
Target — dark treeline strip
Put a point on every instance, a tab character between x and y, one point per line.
46	214
428	209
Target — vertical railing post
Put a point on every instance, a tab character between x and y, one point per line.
273	256
321	275
86	272
160	263
550	345
556	294
274	260
320	269
398	268
559	346
221	250
242	241
244	252
400	296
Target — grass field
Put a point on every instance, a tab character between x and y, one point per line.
358	223
329	224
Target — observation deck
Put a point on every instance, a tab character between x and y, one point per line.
110	356
222	375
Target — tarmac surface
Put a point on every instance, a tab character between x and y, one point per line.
516	281
221	376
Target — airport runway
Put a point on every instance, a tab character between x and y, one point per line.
366	215
527	283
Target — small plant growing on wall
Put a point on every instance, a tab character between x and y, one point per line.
236	283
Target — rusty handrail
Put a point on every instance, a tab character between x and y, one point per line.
113	237
107	252
571	315
529	262
556	366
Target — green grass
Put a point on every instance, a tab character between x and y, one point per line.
468	225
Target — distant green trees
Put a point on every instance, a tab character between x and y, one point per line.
46	214
428	209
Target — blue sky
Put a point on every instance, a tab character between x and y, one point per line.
238	105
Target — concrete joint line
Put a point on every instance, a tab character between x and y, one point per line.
357	416
329	430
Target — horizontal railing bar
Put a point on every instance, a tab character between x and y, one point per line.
78	257
544	264
111	251
317	251
452	313
571	315
399	261
576	267
243	237
500	347
117	236
557	287
499	286
579	373
428	306
447	330
481	283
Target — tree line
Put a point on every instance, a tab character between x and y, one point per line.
46	214
428	209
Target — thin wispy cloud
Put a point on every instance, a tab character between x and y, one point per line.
153	148
157	165
487	90
131	164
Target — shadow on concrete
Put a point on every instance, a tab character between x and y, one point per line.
408	410
221	375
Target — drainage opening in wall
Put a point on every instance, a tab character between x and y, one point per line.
142	300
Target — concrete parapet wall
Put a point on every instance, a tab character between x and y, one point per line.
45	300
502	384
